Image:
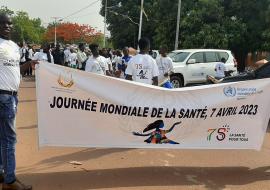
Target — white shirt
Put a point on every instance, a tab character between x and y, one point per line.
73	58
142	68
31	53
22	54
118	61
9	65
97	65
66	54
165	65
109	63
41	56
220	70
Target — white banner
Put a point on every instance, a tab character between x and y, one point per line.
81	109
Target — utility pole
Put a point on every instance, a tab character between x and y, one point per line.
105	19
177	26
55	40
140	26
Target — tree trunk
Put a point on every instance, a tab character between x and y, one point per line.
240	57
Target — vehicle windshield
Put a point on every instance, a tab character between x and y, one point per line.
178	56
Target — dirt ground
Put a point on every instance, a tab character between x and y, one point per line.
130	169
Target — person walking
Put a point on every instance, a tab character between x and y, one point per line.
82	57
97	63
29	57
66	55
23	56
58	55
44	54
73	59
125	59
165	67
10	70
142	67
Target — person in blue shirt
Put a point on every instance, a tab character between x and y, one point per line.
126	57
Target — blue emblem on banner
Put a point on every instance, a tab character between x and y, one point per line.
229	91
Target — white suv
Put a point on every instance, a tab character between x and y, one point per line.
193	65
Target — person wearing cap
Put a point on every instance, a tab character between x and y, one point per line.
10	70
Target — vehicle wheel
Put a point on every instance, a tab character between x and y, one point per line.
177	81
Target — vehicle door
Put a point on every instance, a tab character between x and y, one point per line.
211	59
230	64
195	71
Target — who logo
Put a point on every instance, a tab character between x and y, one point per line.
229	91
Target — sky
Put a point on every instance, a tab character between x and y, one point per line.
46	9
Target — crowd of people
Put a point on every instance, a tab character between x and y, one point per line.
109	62
140	67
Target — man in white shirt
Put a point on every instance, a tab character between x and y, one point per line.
165	68
96	63
82	57
44	54
73	58
9	84
220	69
29	57
66	55
22	53
142	67
105	53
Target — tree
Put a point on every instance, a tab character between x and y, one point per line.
165	22
73	33
123	21
251	14
4	9
241	26
26	29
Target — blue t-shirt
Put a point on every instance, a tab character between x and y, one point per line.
125	60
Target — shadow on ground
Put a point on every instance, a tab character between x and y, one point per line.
212	178
84	155
79	156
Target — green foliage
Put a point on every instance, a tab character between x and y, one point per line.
26	29
123	22
4	9
241	26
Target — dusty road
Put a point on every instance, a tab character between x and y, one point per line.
130	169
